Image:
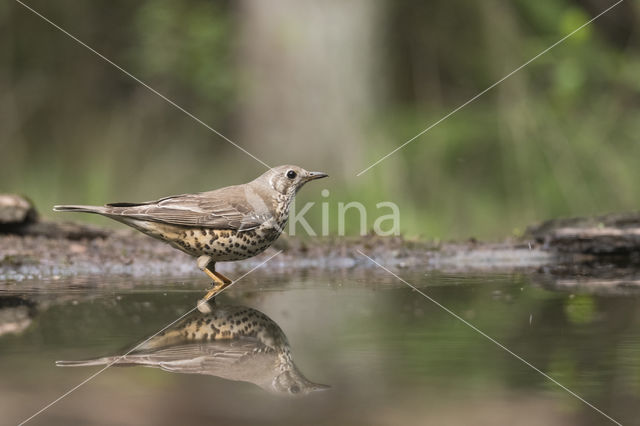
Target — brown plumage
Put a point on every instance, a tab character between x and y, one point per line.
227	224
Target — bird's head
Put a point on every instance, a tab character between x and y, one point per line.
287	180
291	382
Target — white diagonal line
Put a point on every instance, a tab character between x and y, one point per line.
138	345
76	39
491	87
500	345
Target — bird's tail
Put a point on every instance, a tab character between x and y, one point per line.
85	209
115	360
87	362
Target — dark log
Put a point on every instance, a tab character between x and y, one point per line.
613	234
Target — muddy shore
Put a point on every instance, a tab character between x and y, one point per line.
74	249
32	248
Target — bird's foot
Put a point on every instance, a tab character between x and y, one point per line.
204	305
215	290
220	282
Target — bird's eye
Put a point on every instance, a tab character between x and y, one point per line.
294	389
291	174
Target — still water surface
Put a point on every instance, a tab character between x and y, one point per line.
389	355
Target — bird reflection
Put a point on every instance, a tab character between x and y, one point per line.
232	342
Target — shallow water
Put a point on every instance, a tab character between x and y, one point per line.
390	355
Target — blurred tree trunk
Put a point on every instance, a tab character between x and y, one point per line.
308	73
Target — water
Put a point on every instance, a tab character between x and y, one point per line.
390	355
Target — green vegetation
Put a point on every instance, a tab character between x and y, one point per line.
558	138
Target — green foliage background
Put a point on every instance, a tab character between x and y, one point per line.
558	138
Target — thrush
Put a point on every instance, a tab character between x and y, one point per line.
227	224
233	342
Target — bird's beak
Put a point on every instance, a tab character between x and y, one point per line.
319	387
316	175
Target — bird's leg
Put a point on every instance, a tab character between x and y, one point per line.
221	277
220	281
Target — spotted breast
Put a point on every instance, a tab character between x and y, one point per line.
221	245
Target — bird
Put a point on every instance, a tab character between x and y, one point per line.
227	224
233	342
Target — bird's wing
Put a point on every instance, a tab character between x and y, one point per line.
197	358
210	359
184	358
236	208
